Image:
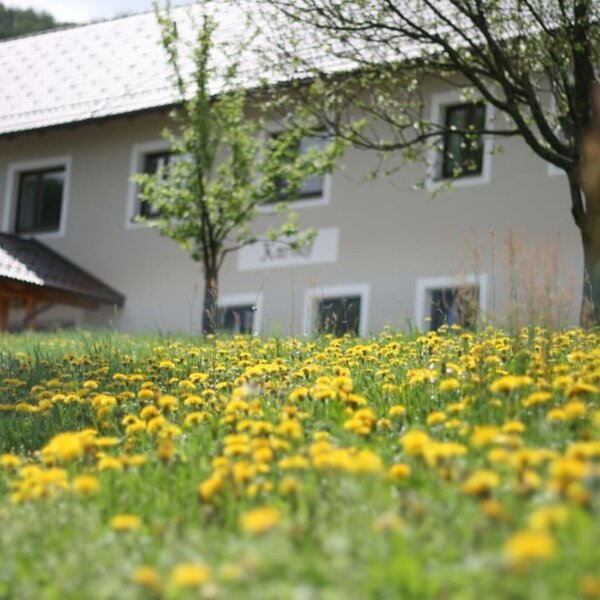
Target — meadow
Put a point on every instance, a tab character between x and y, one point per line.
448	465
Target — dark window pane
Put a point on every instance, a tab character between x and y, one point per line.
339	315
454	306
39	202
236	319
28	192
311	187
153	163
463	151
52	193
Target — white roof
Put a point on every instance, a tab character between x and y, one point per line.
98	70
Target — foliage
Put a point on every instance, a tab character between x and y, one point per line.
534	62
15	22
442	465
223	168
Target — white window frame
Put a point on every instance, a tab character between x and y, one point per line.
426	284
322	200
13	172
136	165
335	291
242	299
433	180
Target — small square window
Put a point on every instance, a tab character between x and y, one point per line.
312	187
40	200
236	319
462	154
338	315
453	306
154	162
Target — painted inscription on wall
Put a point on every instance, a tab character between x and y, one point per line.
273	255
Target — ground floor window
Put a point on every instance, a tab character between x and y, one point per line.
236	319
339	315
454	306
337	310
239	314
450	301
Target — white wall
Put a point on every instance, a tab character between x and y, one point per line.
389	235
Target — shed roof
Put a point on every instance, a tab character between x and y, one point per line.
31	263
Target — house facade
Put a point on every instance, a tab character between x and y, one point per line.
83	111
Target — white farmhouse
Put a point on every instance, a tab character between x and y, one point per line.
82	110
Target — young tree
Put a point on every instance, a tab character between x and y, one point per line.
534	61
222	167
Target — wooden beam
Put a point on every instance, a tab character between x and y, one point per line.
31	303
4	308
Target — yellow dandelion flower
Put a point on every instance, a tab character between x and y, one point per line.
260	520
414	442
449	385
528	546
86	484
190	575
399	471
556	415
147	577
398	411
125	522
9	461
547	517
435	418
481	483
514	427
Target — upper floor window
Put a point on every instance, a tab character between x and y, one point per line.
462	154
154	162
39	200
149	158
313	190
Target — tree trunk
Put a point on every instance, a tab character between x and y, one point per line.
590	238
211	294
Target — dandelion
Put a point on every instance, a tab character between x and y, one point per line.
399	471
125	522
260	520
190	575
147	577
481	483
86	484
529	546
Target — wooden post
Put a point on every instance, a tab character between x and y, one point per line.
30	312
4	307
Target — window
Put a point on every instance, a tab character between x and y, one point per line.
314	190
451	301
239	313
36	197
337	309
338	315
460	158
236	319
462	154
148	157
154	162
453	306
39	200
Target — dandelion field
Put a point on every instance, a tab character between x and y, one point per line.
451	465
